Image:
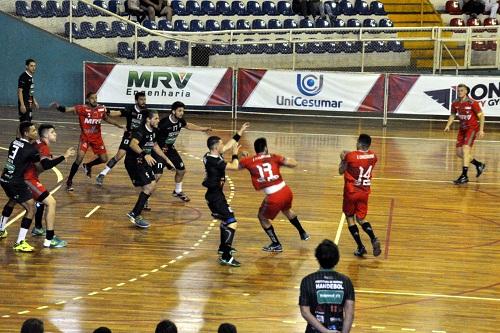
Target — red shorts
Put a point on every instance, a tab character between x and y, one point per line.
94	142
356	203
37	189
466	136
276	202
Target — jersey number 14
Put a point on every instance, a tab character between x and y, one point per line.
364	177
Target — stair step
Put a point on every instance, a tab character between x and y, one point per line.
428	63
429	53
408	8
416	17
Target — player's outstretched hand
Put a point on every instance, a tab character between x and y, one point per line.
243	128
207	129
447	129
343	153
54	105
480	135
70	152
150	160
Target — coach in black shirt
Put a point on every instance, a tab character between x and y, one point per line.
326	297
26	101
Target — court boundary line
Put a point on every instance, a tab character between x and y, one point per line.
339	229
388	232
430	295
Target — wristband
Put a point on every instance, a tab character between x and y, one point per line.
142	154
235	157
61	108
236	137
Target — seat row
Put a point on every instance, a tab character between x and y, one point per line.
53	8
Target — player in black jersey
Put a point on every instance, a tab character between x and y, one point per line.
168	130
215	177
135	116
26	100
20	156
139	164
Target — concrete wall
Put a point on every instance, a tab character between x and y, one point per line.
59	74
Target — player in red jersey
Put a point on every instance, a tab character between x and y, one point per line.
357	167
90	116
265	171
469	113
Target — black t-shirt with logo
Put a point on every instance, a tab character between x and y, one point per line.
21	155
215	171
135	117
168	131
325	293
26	83
146	138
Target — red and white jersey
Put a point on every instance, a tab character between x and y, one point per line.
44	150
265	171
358	170
90	119
467	112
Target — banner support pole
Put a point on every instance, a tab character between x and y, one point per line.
386	99
235	94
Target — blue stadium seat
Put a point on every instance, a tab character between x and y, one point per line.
251	48
155	49
321	23
306	23
124	51
37	9
180	25
290	24
377	8
238	8
285	8
80	9
283	47
113	6
91	11
242	24
212	25
87	30
332	47
395	46
51	9
350	47
253	8
370	23
179	9
22	8
103	5
340	23
347	8
362	7
208	8
142	50
268	48
122	29
301	48
76	31
227	24
316	47
193	8
221	49
386	23
196	26
165	25
269	8
375	46
258	24
223	8
353	23
336	10
64	10
151	25
103	29
274	24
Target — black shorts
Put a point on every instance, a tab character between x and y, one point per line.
140	174
27	116
125	142
19	192
219	207
175	158
160	164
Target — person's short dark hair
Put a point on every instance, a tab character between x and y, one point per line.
327	254
32	325
139	94
463	85
151	113
365	140
90	93
177	105
102	330
212	141
227	328
166	326
43	128
260	145
24	126
29	61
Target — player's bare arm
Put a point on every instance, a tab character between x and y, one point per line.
480	134
231	142
112	122
114	113
348	316
35	103
134	145
305	311
53	161
290	162
160	153
21	100
343	164
235	163
193	127
62	108
451	118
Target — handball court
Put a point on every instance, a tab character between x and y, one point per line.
439	270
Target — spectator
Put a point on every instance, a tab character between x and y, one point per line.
102	330
227	328
491	6
32	325
157	7
133	7
166	326
473	7
326	297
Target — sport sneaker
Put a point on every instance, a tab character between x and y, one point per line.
87	170
304	236
139	221
229	262
480	169
273	247
56	243
3	234
181	196
99	180
69	186
461	180
232	251
376	247
23	246
38	232
360	251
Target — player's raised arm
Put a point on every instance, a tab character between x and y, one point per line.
235	163
235	138
193	127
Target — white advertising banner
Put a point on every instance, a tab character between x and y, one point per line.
433	95
321	91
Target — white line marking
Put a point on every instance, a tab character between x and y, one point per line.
5	316
107	289
120	284
58	174
408	329
42	307
77	298
23	312
154	270
132	280
60	302
93	293
144	275
289	322
378	327
92	211
438	331
427	295
339	229
4	148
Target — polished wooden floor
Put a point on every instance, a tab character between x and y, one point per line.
439	271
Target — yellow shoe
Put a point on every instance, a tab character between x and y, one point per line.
3	234
23	246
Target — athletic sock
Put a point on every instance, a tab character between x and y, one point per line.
40	207
272	235
227	237
139	205
353	229
178	187
464	171
476	162
25	226
6	213
110	165
93	163
369	230
48	238
73	171
296	223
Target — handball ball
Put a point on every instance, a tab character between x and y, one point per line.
244	154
